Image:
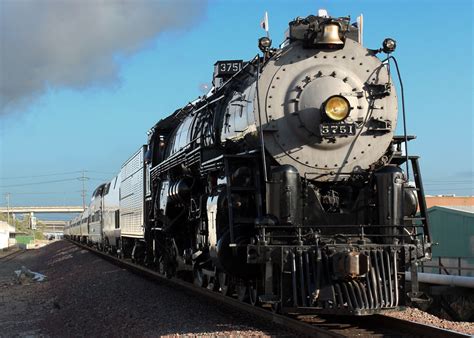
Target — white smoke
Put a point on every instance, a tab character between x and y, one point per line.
74	43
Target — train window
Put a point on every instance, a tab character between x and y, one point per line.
99	190
148	156
106	189
115	182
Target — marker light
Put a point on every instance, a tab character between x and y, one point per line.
264	43
389	45
337	108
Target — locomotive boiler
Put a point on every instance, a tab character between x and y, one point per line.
285	185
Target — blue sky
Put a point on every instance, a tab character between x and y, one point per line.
97	126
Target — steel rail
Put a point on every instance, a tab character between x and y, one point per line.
336	326
301	328
418	329
12	255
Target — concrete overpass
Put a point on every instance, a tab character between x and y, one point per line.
43	209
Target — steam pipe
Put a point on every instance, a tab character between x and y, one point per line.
434	278
262	140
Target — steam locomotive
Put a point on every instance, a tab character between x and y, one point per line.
283	186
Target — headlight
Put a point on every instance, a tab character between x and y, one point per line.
337	108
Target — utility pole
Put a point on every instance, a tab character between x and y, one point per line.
83	178
7	196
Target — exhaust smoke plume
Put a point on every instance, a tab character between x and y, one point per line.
68	43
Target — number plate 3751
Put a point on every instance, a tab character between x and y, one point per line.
337	129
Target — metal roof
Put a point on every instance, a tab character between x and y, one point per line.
469	209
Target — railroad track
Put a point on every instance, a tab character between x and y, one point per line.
301	324
378	326
11	255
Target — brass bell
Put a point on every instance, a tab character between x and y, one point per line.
330	35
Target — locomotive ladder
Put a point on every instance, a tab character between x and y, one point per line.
255	189
421	196
415	292
423	216
399	159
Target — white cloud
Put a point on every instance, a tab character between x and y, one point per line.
72	43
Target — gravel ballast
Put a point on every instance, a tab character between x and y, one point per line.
84	295
415	315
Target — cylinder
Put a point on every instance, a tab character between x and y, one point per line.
179	190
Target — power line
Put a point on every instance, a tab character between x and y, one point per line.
36	176
54	181
45	192
101	172
57	174
37	183
83	178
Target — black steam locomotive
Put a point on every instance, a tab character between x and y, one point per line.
283	186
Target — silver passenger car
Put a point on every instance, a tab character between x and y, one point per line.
95	215
111	214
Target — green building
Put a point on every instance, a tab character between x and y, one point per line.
453	229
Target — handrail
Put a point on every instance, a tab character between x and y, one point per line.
442	267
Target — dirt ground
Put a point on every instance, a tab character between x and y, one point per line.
84	295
